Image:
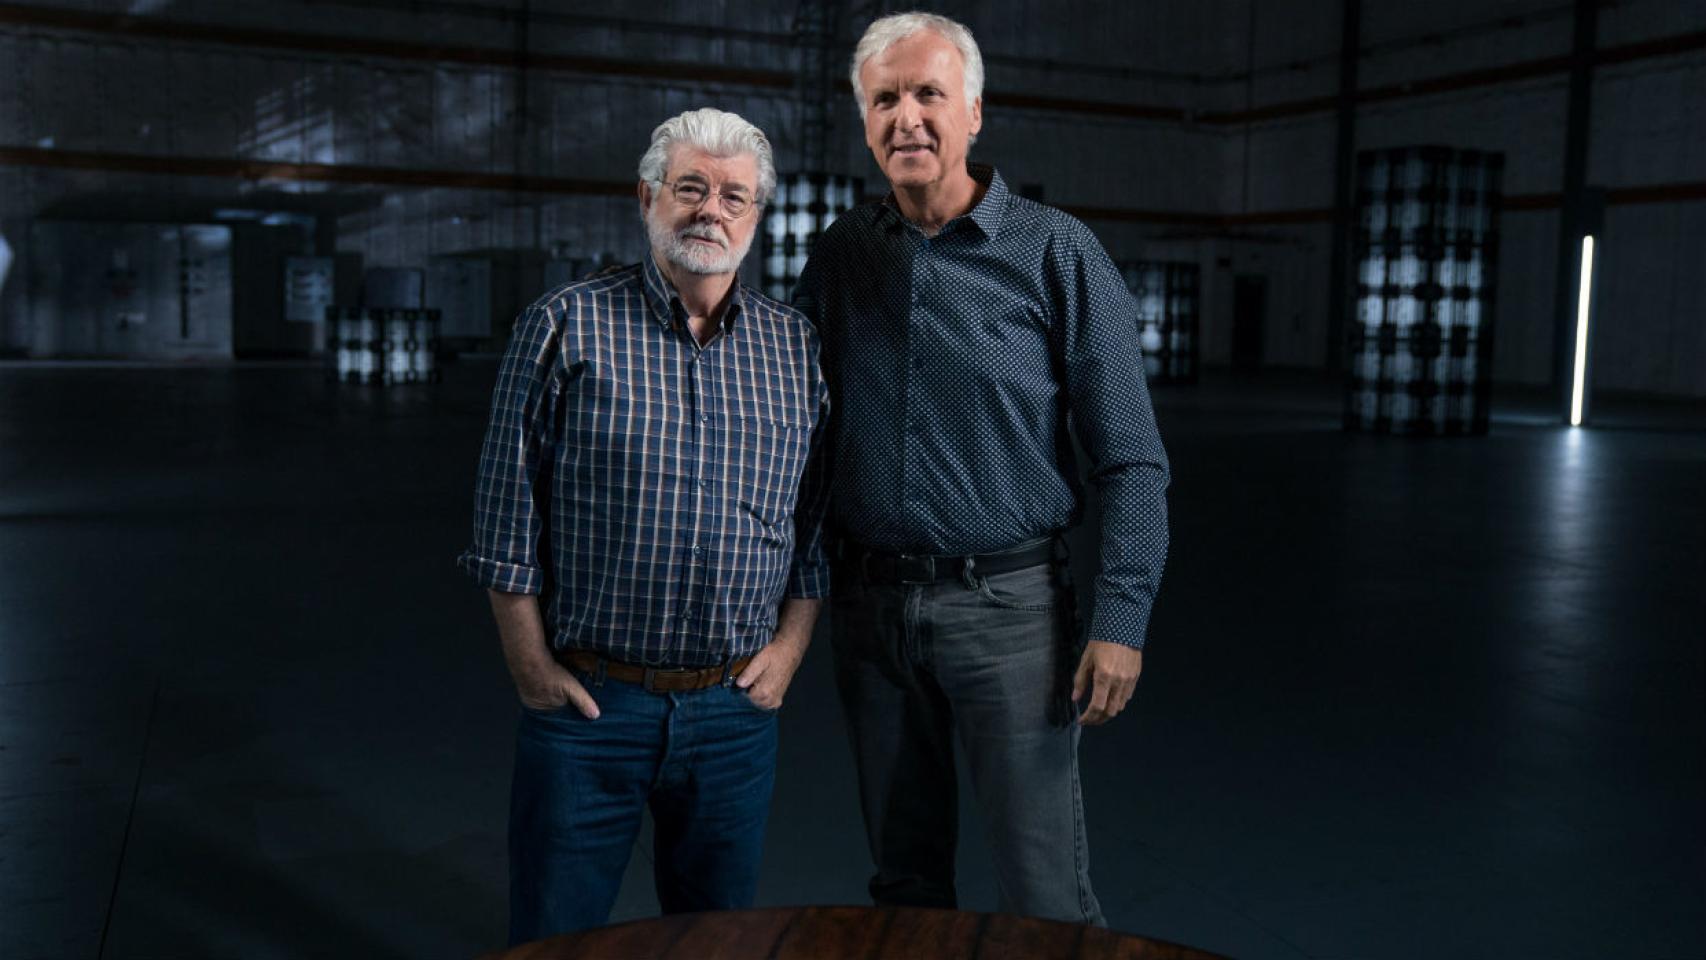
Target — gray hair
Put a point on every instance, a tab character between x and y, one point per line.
885	32
718	133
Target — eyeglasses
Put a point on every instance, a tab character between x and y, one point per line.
693	194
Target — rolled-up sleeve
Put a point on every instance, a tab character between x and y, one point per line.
808	575
504	555
1115	421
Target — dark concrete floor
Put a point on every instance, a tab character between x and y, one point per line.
1403	698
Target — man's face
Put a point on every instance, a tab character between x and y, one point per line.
701	240
917	122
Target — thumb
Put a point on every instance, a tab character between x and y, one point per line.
749	676
1081	679
582	700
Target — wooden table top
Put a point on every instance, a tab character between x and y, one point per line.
843	933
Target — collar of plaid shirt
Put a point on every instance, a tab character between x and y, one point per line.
665	301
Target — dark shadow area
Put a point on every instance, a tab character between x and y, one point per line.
1403	697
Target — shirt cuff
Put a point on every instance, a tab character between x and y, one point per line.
808	581
1120	620
500	576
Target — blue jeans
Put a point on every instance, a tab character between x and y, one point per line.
703	761
986	661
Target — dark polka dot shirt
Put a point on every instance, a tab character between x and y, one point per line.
957	366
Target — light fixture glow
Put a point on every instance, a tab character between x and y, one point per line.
1584	290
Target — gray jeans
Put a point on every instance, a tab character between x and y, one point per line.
987	660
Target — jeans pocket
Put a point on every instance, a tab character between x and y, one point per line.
549	713
745	698
1032	589
586	680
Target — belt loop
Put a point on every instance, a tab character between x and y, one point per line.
1060	564
728	669
968	573
598	674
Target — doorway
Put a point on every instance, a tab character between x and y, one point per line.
1249	313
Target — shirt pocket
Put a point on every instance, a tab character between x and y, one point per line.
769	456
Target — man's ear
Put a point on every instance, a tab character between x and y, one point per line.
976	116
644	191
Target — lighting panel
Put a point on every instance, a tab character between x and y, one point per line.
804	206
1167	317
383	347
1584	300
1419	357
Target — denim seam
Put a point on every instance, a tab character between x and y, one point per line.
1079	841
913	621
989	595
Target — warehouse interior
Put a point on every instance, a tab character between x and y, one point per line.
1427	671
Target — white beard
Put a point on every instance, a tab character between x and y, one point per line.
693	257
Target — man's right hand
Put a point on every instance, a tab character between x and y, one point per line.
549	686
540	681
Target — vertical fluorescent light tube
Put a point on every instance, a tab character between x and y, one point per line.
1583	290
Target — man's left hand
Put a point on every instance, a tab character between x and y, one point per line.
1108	673
766	678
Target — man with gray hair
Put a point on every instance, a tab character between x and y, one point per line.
966	331
647	526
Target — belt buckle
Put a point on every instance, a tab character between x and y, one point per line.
649	679
907	563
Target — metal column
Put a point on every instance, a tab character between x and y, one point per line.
1572	217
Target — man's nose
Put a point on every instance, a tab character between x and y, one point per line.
908	114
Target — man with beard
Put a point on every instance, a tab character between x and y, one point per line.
647	525
966	331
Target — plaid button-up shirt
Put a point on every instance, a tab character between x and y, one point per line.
665	496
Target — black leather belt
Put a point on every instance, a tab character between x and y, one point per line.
882	566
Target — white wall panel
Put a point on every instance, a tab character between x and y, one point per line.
1649	123
1649	310
1633	21
1522	331
1290	164
87	91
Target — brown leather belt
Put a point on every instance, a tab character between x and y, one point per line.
654	679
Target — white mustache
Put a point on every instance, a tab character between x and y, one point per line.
698	232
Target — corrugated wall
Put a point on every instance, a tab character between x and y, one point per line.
1185	165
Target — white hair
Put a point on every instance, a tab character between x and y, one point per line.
885	32
718	133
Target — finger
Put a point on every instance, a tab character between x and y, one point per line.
1117	699
1098	711
752	672
775	689
579	696
1127	688
1081	680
